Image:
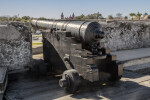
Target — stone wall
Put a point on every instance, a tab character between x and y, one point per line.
15	45
126	35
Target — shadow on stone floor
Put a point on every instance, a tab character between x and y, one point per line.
27	86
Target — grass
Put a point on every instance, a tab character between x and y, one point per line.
37	43
37	35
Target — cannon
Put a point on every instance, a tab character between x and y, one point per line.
74	49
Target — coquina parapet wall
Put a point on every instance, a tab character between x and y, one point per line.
15	45
126	35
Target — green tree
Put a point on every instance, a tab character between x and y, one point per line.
98	15
94	16
132	15
90	16
26	17
79	17
138	15
125	17
110	17
18	19
119	15
42	18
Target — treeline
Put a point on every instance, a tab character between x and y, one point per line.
15	18
89	16
118	16
136	16
21	19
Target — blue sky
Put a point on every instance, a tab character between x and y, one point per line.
53	8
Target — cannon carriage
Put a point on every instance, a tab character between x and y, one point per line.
74	49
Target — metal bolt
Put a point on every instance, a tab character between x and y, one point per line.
62	83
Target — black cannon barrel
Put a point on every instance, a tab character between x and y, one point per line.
87	31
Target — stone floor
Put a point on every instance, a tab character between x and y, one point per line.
132	54
132	86
24	86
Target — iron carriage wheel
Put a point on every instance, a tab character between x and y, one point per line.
70	80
